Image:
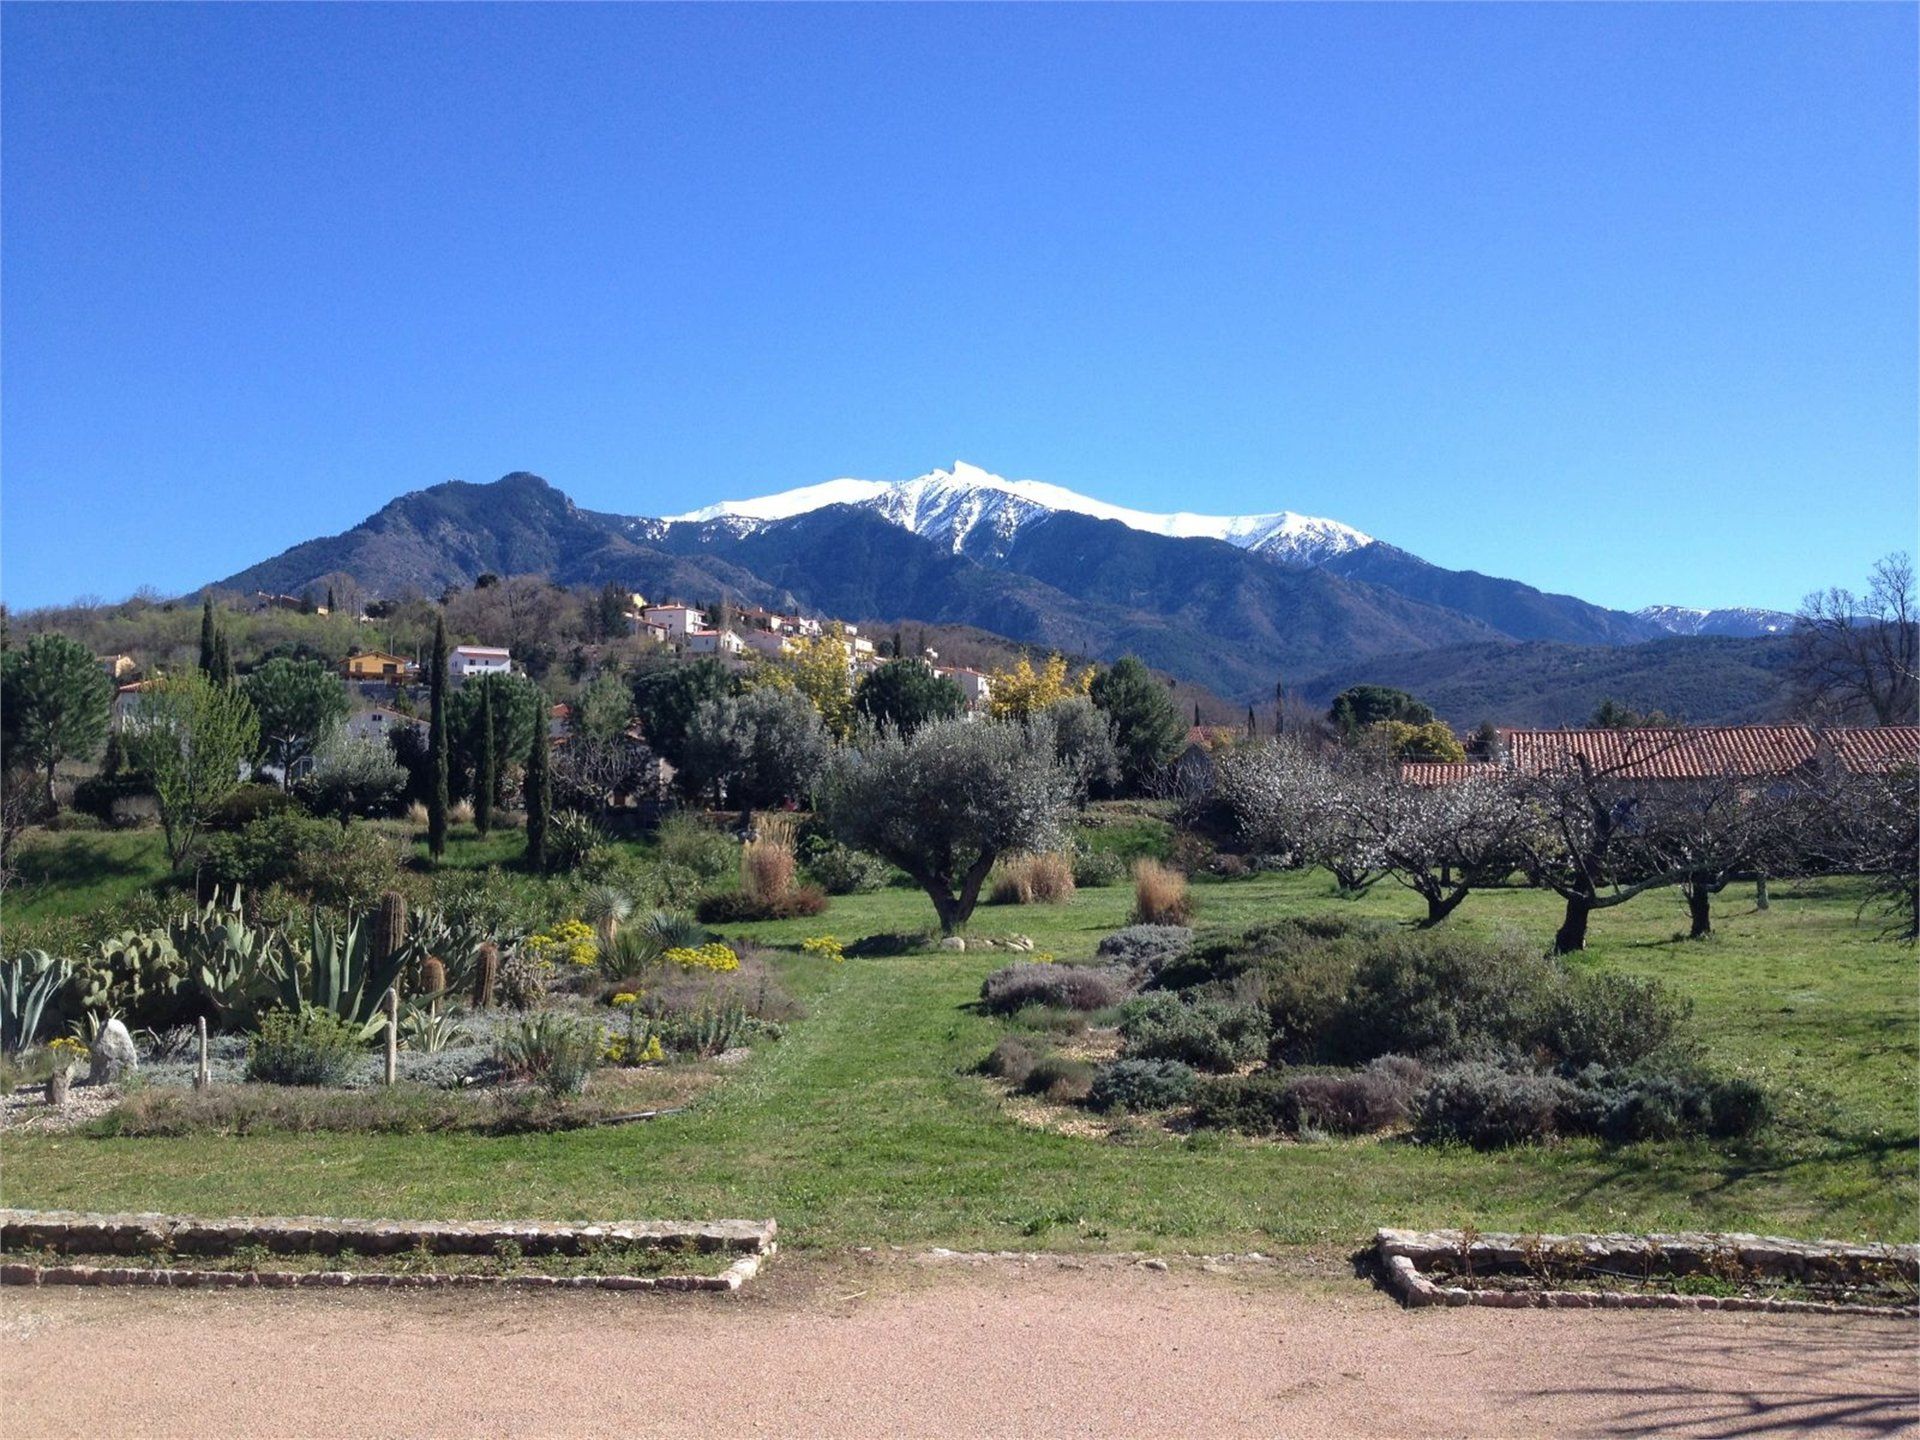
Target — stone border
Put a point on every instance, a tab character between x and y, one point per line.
130	1234
1402	1252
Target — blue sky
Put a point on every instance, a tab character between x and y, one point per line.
1618	300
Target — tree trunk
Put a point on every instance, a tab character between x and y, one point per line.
1572	934
1760	892
1699	909
1440	906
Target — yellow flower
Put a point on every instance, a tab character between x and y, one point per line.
653	1054
825	946
570	942
625	997
711	956
67	1052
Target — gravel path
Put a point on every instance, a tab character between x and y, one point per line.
846	1348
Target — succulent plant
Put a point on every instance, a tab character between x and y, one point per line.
433	976
486	974
389	925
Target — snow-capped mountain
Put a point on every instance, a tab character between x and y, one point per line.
974	512
1734	620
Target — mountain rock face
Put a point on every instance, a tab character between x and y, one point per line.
1230	603
1736	620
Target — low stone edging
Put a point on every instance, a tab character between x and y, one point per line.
79	1232
1402	1252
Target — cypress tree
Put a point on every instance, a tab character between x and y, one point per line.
539	787
1251	726
331	606
437	744
222	671
206	636
486	769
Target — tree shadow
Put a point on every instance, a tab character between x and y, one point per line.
1765	1379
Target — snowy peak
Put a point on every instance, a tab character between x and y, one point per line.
973	510
1734	620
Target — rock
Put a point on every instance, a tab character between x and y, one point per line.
1153	1264
112	1055
1019	942
953	942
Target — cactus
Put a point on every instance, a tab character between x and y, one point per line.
486	974
389	925
433	975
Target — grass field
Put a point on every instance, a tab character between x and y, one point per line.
865	1125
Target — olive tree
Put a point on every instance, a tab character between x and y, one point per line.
946	802
762	748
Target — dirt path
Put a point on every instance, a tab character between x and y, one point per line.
951	1350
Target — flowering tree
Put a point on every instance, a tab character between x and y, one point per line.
1289	799
1443	842
1020	690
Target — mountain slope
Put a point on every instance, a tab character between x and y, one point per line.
1718	680
1737	620
1510	607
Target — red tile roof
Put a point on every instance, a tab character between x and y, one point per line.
1872	749
1690	753
1429	773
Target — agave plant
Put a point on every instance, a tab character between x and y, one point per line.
341	974
29	979
428	1032
236	967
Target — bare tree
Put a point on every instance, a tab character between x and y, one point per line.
1712	831
1857	657
1288	798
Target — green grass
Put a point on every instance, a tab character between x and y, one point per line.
72	872
866	1125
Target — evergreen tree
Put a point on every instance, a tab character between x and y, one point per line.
437	744
539	797
331	603
1146	726
206	636
55	702
486	772
1252	726
222	671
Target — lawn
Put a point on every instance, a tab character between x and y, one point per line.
866	1126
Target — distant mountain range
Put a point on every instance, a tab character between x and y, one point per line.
1232	603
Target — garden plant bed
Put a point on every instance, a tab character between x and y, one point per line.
75	1248
1638	1272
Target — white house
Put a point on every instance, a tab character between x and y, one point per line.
768	642
382	722
715	642
975	688
679	621
467	661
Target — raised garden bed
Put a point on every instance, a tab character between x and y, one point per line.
1635	1272
74	1248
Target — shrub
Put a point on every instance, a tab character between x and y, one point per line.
1352	1103
248	803
1441	997
687	843
1252	1104
1211	1034
1033	880
1010	1060
842	870
1487	1107
1096	869
309	1046
731	907
522	981
1056	1078
1145	949
1141	1085
1643	1104
1612	1020
1159	895
265	849
554	1052
1071	987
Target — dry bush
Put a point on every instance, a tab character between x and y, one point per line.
1034	880
671	990
781	827
417	814
1160	895
766	871
460	812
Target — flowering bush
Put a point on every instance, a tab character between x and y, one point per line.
625	998
827	947
571	942
67	1052
627	1050
711	956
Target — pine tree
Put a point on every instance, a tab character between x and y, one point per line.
437	744
206	636
539	788
486	771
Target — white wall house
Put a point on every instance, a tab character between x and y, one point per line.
715	642
768	642
679	621
381	722
975	688
467	661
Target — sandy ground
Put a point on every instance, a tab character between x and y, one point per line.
955	1349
